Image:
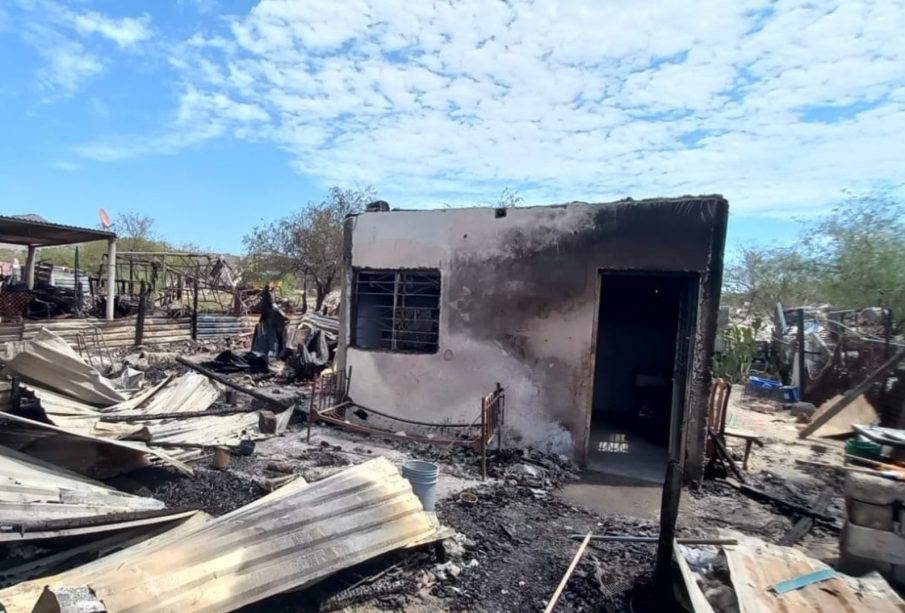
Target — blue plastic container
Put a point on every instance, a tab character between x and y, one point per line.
764	384
790	393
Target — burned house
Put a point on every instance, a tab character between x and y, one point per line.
597	319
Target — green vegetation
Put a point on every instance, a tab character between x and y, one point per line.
306	245
852	257
135	233
734	363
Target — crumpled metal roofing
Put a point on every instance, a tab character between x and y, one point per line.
190	393
32	491
755	566
49	361
285	541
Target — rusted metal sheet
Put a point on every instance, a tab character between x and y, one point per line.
755	566
285	541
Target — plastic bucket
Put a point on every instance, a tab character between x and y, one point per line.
423	476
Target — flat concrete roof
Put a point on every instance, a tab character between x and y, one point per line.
35	231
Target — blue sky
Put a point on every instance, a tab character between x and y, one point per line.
211	116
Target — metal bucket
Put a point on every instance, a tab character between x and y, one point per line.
423	476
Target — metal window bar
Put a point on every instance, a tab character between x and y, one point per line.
407	323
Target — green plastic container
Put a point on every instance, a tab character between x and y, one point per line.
864	449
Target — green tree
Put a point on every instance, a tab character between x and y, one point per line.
852	257
858	251
759	277
134	233
307	244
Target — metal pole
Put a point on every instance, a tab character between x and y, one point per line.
111	277
483	438
77	283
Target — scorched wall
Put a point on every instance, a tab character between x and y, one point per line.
519	296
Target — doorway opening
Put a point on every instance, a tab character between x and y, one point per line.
645	325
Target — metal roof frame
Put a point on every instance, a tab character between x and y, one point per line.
31	231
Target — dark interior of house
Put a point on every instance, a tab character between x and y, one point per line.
636	346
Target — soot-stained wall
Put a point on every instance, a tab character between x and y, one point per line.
519	296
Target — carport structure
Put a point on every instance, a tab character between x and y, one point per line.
34	232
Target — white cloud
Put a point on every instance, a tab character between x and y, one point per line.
65	37
68	65
67	166
590	99
200	117
125	32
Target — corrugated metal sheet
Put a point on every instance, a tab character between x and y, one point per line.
754	566
121	332
35	230
288	540
75	416
101	524
97	549
189	393
77	451
66	279
51	362
32	491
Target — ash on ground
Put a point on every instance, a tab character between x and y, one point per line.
213	491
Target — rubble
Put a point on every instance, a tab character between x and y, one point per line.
509	530
346	519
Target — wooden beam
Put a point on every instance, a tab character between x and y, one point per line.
565	579
853	393
804	525
669	513
228	383
723	453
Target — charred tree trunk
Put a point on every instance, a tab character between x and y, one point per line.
321	295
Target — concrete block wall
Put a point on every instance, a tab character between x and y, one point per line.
874	535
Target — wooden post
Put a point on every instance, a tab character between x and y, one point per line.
853	393
802	358
142	308
669	513
283	405
195	309
312	412
565	579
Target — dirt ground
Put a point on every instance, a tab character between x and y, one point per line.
513	542
774	468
